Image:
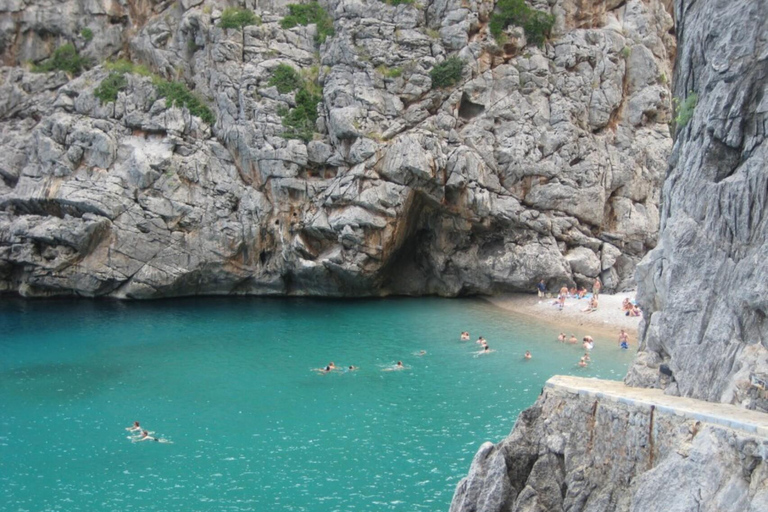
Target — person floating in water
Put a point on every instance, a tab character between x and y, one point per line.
486	350
134	428
327	369
528	354
398	366
465	336
146	437
420	353
351	368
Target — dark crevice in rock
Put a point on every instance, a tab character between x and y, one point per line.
469	110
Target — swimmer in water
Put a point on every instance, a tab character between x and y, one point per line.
588	343
586	356
561	337
398	366
465	336
134	428
420	353
146	437
351	368
573	339
582	362
481	341
486	350
528	354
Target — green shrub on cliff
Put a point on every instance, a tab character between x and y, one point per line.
537	24
684	109
286	79
233	17
299	122
447	73
64	58
177	94
87	34
110	86
307	14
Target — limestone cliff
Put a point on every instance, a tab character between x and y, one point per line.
542	161
704	287
703	291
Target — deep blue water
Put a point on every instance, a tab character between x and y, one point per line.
230	383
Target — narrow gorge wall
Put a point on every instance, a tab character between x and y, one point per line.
541	162
705	287
703	291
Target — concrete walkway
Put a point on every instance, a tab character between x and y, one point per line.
727	415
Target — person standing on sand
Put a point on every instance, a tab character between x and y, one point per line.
542	287
596	287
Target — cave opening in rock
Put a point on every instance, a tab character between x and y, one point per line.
469	110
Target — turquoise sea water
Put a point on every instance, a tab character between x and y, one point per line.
229	381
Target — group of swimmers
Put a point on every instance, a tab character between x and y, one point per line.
139	434
480	341
331	367
587	342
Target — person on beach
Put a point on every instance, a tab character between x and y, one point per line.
465	336
626	305
561	337
592	305
542	287
573	339
561	300
635	311
582	292
596	287
528	354
134	428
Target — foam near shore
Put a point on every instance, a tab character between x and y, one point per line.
607	321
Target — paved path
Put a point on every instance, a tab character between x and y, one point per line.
727	415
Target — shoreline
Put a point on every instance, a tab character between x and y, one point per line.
606	322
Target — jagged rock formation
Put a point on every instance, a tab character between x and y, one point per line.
578	450
541	162
705	285
703	289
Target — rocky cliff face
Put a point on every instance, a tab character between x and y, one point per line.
541	162
703	290
581	449
705	285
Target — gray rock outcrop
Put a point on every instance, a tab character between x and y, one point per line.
704	287
578	449
543	162
702	291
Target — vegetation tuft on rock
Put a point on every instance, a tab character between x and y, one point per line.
65	58
537	24
307	14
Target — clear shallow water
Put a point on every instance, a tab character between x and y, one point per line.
229	381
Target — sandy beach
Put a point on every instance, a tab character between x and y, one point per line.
605	322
